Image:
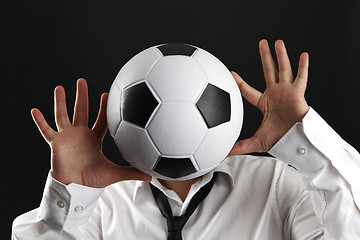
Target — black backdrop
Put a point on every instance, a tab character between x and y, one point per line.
50	43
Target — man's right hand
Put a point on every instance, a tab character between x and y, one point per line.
76	150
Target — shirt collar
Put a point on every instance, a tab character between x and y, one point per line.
221	168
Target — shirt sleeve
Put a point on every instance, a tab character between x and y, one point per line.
331	171
63	213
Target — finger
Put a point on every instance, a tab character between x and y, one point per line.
100	125
61	115
285	72
269	68
249	145
249	93
47	132
121	173
81	110
303	69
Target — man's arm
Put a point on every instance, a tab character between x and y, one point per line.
78	165
331	167
64	213
313	148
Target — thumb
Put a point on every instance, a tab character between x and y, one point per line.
246	146
121	173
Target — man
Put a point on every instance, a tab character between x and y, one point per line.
86	196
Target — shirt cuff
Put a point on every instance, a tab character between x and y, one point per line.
295	149
312	144
67	206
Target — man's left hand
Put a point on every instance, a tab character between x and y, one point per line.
282	103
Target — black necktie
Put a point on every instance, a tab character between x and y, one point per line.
176	223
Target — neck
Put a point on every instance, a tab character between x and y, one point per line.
181	188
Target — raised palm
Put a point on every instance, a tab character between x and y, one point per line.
76	150
282	103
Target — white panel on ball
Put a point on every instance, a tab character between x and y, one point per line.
113	114
216	146
136	146
218	74
177	129
137	68
177	78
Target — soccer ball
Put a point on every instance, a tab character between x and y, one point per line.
174	111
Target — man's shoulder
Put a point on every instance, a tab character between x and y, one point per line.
238	163
244	168
123	190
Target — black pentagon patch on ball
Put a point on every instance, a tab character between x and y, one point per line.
138	104
214	105
174	167
176	49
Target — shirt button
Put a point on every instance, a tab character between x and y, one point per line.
79	208
60	204
301	151
179	203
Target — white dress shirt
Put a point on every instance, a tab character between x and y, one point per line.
253	198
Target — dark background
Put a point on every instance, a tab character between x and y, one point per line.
50	43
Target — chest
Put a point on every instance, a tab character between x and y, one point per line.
225	214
